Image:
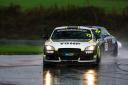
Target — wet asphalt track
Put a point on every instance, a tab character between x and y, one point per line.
21	70
28	70
112	71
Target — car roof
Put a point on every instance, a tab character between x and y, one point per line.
72	27
81	27
96	27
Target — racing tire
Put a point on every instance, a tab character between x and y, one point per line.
115	51
98	58
45	64
48	64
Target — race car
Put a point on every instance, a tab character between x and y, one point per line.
109	43
79	44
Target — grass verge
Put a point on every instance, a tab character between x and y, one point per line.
11	49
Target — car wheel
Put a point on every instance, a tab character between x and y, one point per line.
45	64
115	51
98	58
48	64
102	50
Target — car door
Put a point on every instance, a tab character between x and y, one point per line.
107	39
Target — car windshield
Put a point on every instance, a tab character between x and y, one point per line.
72	34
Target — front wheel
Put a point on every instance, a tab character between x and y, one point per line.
98	58
115	51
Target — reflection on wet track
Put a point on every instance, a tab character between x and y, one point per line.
70	76
48	78
90	77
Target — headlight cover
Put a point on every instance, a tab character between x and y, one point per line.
90	47
49	48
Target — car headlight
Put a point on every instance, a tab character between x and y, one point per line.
48	47
90	47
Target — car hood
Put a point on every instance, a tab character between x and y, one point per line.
81	44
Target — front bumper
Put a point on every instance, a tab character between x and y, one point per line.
62	61
81	57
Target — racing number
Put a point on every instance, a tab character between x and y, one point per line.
106	46
110	44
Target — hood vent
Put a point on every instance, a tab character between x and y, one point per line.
70	43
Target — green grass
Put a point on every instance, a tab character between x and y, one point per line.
108	5
20	49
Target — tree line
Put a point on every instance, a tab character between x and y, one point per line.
16	23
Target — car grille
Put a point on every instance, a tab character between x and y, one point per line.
69	53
